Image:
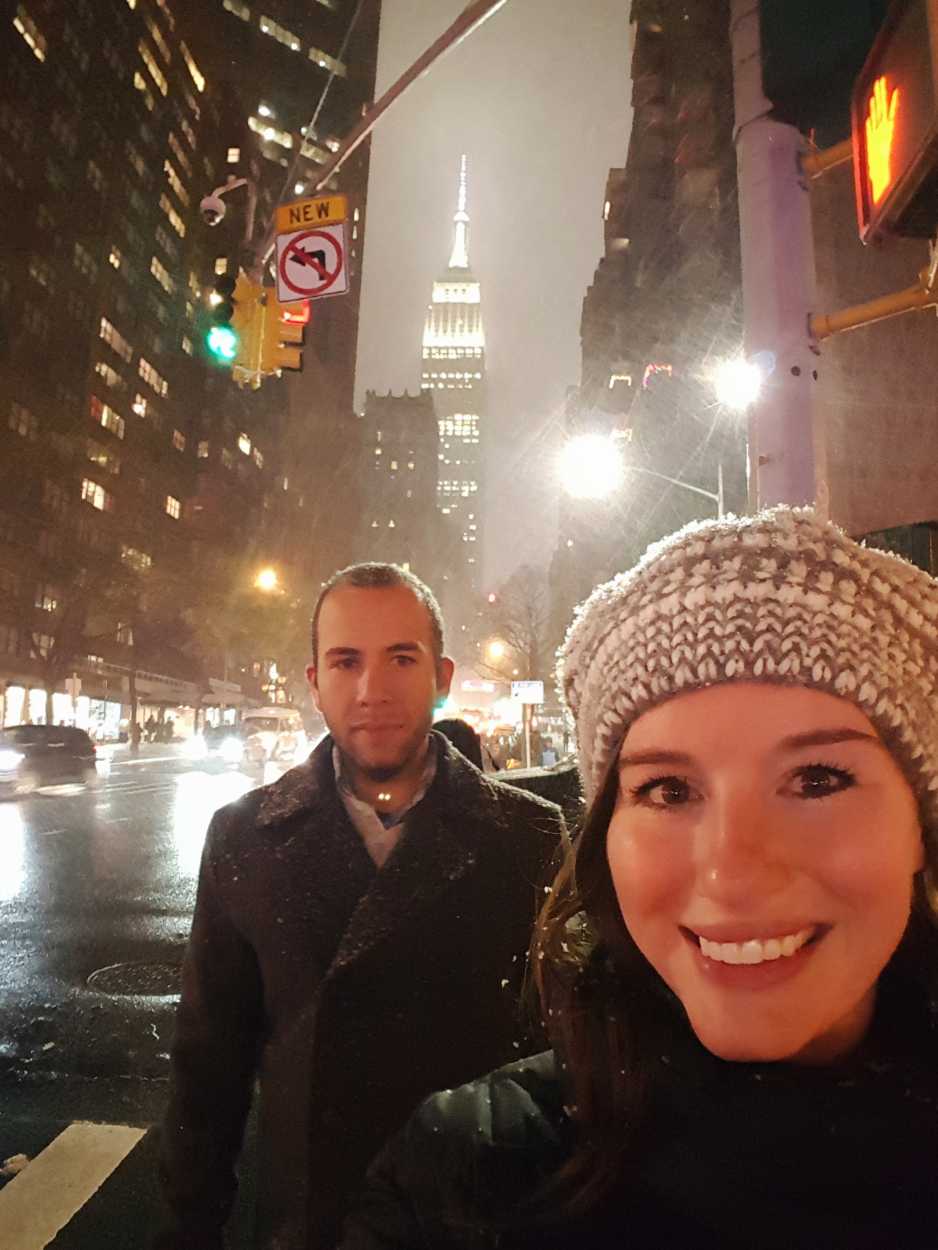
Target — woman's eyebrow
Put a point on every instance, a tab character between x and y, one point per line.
654	756
828	737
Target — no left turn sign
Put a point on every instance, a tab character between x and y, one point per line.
311	263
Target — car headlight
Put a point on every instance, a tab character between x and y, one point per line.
10	760
232	749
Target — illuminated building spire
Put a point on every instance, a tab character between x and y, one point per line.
460	256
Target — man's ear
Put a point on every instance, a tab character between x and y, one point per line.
313	688
444	676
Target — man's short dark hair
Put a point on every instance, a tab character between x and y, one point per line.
382	577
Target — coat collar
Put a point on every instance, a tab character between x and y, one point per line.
440	843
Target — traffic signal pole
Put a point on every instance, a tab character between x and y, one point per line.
787	445
471	18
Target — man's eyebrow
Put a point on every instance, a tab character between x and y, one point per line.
343	651
405	646
828	737
654	756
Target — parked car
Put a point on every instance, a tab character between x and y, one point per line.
274	733
560	783
32	756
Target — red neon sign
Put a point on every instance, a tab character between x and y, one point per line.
880	131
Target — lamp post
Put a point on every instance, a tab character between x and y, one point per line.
591	467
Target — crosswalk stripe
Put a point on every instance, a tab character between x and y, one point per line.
40	1201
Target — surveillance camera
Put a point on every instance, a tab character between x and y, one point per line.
212	209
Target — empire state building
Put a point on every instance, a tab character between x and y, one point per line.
454	373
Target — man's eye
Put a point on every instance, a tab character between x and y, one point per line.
662	792
818	781
404	660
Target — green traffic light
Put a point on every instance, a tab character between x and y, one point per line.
222	342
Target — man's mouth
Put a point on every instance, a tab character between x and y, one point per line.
757	950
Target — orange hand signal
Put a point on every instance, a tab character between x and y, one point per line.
880	129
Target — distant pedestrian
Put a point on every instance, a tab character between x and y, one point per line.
359	936
463	737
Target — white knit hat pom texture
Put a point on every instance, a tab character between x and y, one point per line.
780	596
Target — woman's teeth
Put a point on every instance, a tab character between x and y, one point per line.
755	951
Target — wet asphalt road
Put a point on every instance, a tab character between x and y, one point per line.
96	896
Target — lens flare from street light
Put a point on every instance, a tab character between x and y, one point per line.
267	580
737	383
590	466
495	649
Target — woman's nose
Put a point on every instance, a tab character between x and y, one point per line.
737	851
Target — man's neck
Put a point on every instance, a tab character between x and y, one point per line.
395	792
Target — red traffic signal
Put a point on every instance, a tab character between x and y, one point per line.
894	113
297	314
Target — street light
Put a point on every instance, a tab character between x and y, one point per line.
591	467
267	580
737	382
495	650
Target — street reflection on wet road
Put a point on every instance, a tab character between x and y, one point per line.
12	851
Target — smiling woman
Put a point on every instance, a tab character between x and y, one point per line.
738	965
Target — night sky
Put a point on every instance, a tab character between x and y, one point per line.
539	100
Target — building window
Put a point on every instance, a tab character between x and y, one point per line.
96	495
9	640
175	182
194	72
186	344
258	457
238	9
155	379
280	33
175	220
244	444
161	273
328	62
41	271
105	416
203	449
47	598
84	262
139	561
234	155
227	458
115	340
179	440
173	507
149	61
23	422
30	32
103	458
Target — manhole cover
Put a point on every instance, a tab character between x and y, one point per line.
156	980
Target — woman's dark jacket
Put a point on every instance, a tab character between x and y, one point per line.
732	1157
349	994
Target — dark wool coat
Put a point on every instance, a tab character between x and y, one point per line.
734	1156
349	994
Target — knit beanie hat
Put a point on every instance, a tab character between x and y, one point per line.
779	597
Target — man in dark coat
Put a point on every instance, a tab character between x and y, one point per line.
359	935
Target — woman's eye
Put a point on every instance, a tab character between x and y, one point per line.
818	781
662	792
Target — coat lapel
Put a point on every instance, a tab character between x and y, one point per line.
439	845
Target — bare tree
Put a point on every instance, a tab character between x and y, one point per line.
517	617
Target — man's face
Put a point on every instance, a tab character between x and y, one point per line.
375	679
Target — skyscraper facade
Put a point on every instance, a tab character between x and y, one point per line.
454	374
123	449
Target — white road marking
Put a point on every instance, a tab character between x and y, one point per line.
39	1202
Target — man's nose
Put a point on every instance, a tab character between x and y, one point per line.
372	684
739	854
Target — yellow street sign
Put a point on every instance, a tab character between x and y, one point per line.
324	210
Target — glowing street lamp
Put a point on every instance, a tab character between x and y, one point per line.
590	462
267	580
590	466
738	383
495	650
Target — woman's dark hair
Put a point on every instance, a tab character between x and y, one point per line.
610	1016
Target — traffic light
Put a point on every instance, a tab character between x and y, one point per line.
284	325
248	323
895	126
222	338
